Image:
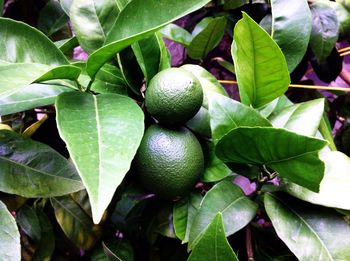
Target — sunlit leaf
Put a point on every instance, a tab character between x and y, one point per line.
260	66
102	134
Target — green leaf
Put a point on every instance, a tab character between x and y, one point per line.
92	20
118	250
131	70
293	156
127	28
208	38
109	80
28	220
165	57
67	45
303	118
1	7
213	244
334	188
177	34
323	231
10	247
234	4
20	38
75	223
31	96
261	68
122	3
16	76
227	114
325	29
46	245
147	53
32	169
291	29
225	197
184	212
102	134
52	18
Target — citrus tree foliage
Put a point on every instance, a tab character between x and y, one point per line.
273	185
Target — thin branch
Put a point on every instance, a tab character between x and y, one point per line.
344	53
248	243
344	49
303	86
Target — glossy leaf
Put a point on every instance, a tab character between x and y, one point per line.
227	114
19	38
334	188
75	223
122	3
92	20
291	29
323	231
325	29
207	39
32	169
184	212
102	134
31	96
225	197
16	76
261	68
177	34
52	18
46	245
293	156
213	244
127	28
10	247
28	220
147	53
303	118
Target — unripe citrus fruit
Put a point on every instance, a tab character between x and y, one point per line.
173	96
169	161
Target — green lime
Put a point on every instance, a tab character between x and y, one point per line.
169	161
173	96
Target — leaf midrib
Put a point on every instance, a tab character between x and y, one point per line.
99	142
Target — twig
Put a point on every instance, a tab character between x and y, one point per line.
248	243
344	49
343	89
344	53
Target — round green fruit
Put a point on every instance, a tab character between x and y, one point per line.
173	96
169	161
